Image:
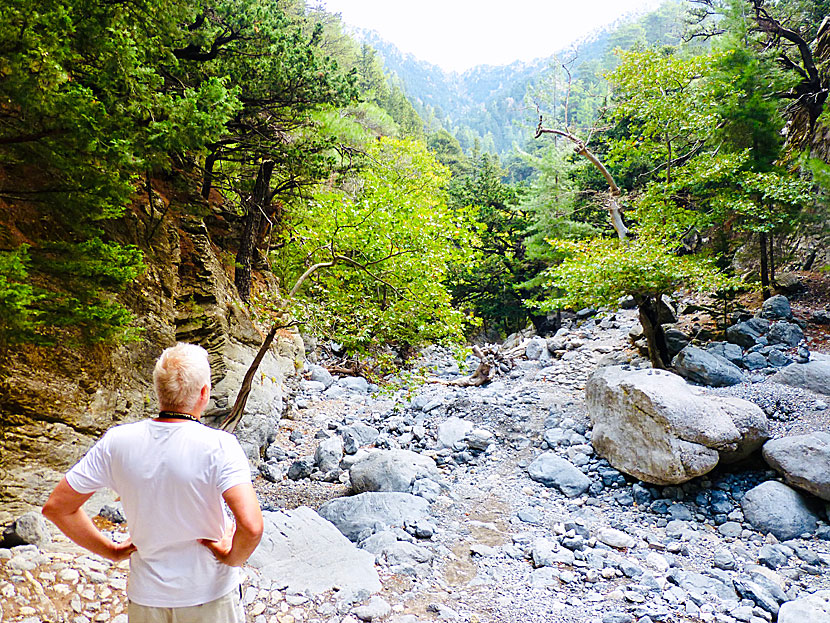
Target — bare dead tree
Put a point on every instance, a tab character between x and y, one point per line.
613	206
235	416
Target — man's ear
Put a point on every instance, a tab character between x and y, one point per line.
205	393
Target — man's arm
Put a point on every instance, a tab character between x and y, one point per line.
240	542
63	508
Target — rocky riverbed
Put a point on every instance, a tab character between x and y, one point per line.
509	516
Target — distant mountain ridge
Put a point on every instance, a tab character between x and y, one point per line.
485	104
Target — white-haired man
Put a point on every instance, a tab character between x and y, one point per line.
172	474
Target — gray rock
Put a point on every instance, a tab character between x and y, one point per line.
803	460
426	488
773	556
312	387
357	435
778	358
774	507
30	528
776	308
757	593
452	431
376	609
653	425
372	512
725	560
615	538
391	470
813	608
676	341
814	375
113	512
727	350
755	361
699	583
552	470
354	384
301	550
783	332
320	375
329	453
703	367
536	349
479	439
548	553
301	468
743	334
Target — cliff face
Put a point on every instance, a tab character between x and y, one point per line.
55	402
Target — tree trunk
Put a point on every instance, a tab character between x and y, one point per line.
207	179
253	221
764	270
658	349
772	258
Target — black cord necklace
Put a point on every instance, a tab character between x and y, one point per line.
175	415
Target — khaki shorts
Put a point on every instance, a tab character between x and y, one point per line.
227	609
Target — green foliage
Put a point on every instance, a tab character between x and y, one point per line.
485	280
388	235
598	272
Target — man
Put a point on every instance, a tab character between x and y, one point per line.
172	474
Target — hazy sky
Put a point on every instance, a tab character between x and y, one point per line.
458	34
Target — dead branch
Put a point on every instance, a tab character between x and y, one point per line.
614	210
493	362
230	423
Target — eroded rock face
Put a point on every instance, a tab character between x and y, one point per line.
653	425
803	460
306	553
55	402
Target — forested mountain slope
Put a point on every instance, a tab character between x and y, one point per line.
490	103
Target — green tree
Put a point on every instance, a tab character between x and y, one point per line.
369	254
81	116
486	281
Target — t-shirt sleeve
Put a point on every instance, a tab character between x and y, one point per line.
234	469
92	471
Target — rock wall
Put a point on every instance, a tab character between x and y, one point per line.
55	402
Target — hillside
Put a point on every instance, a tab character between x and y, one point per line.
489	102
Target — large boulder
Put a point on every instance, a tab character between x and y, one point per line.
803	460
391	470
553	471
30	528
784	332
301	550
813	375
359	516
743	334
774	507
706	368
653	425
813	608
777	308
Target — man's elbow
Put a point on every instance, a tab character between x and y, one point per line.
252	526
48	511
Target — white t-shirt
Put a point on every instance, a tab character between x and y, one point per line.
171	477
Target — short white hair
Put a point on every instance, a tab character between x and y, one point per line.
179	375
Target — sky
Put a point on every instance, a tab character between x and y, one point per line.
459	34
